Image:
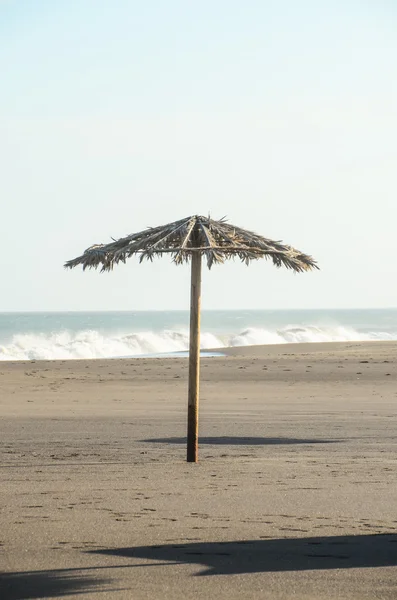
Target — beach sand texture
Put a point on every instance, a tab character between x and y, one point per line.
295	495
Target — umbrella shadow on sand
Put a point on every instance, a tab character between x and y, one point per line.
216	558
242	441
273	555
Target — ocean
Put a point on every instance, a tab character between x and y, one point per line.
86	335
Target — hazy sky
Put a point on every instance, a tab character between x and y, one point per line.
116	115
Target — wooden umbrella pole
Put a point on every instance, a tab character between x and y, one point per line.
194	360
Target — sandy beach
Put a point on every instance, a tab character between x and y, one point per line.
294	495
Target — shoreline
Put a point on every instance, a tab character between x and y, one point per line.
306	347
229	351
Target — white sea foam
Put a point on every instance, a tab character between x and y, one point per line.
93	344
298	334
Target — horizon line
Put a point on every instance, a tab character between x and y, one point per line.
153	310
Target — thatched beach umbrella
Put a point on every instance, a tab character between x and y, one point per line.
190	239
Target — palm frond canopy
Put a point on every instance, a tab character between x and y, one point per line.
216	240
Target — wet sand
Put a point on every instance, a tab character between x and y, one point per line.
294	496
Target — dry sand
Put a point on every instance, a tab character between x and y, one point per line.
295	495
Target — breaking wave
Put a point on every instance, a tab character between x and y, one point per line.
93	344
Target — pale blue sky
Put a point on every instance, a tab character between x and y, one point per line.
119	115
